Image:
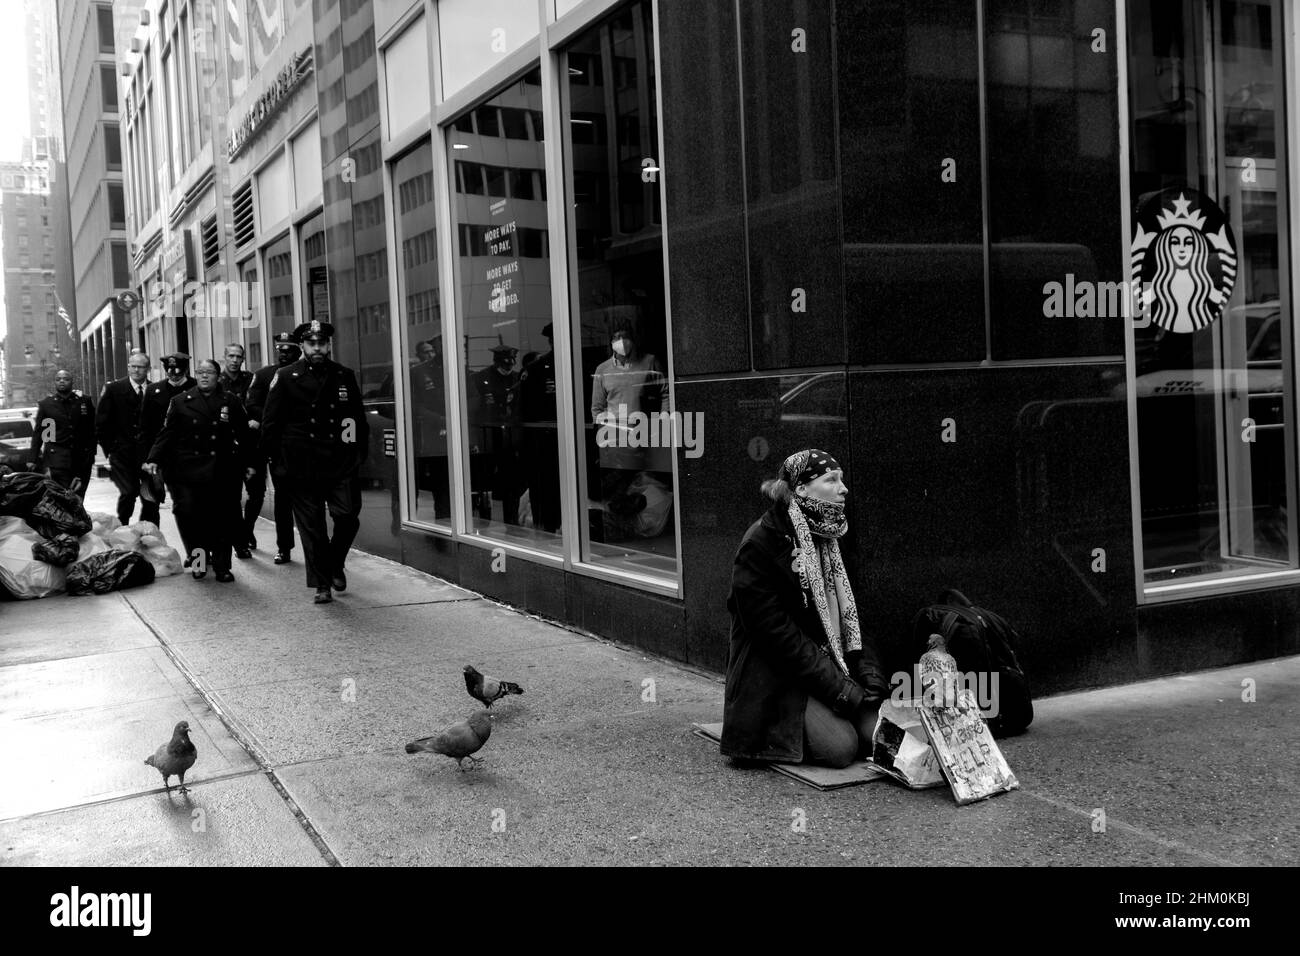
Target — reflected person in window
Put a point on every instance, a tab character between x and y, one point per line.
804	683
626	385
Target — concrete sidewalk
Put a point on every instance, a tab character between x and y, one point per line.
300	714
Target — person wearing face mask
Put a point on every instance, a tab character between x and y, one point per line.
269	457
626	383
205	453
804	683
63	441
117	426
495	423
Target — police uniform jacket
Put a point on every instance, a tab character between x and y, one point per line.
157	398
258	386
72	443
205	438
316	420
117	422
237	384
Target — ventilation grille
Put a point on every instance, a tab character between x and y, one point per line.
243	213
211	239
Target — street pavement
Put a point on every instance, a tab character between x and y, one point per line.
300	714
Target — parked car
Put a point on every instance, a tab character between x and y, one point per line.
16	429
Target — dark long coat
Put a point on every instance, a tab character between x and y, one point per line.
204	439
316	420
72	447
779	654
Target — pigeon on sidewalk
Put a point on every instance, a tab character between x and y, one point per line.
485	689
458	741
175	757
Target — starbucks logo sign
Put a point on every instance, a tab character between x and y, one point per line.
1185	259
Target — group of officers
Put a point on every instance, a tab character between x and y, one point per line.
211	436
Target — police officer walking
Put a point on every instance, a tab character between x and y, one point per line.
204	450
157	398
117	425
314	415
287	352
236	381
64	438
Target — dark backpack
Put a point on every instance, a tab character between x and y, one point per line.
982	642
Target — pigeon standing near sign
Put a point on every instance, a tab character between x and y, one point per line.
175	757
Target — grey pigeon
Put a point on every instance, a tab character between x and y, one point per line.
486	689
459	740
175	757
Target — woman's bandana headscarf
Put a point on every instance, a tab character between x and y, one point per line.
817	526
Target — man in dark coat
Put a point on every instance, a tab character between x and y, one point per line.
541	449
63	441
117	426
204	450
494	422
158	398
287	352
236	381
314	415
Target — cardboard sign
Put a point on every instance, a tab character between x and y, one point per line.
390	442
967	753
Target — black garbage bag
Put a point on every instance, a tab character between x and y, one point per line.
47	507
109	571
59	551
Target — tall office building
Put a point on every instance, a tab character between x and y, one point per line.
88	35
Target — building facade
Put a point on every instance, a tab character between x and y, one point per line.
1024	268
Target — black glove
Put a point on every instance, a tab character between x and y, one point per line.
869	678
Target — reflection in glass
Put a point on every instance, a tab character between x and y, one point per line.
279	285
236	48
265	26
1216	445
476	34
504	305
254	304
618	298
422	320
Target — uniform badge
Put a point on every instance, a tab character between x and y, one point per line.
225	413
343	393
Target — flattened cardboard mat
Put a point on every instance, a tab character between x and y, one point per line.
822	778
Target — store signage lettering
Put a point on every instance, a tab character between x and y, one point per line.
499	240
269	103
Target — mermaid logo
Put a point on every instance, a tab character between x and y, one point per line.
1185	259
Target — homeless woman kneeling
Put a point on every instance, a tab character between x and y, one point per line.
803	684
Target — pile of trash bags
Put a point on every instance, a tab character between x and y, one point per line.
49	544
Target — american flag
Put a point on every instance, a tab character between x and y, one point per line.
63	314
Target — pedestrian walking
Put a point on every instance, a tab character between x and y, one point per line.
236	381
157	399
63	442
117	426
268	458
315	417
204	449
804	682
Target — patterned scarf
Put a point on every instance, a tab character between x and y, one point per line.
817	525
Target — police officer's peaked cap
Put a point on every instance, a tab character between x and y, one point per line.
498	349
547	331
284	340
313	329
176	358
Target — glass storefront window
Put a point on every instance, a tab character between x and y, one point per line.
625	469
476	34
279	285
504	305
429	477
1214	352
253	292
